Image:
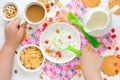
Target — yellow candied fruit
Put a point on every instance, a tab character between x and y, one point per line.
66	69
57	31
79	74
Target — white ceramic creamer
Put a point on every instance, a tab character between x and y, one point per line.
97	21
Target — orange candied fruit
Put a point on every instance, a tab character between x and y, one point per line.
47	50
48	9
57	13
105	79
50	19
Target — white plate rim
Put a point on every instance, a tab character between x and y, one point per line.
43	33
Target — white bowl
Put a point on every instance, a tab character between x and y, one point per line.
18	58
49	34
6	4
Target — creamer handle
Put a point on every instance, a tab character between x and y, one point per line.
115	8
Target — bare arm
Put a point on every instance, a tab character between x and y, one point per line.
91	63
13	36
6	61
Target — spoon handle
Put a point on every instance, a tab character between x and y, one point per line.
77	52
90	38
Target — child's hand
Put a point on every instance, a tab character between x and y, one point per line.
91	63
14	32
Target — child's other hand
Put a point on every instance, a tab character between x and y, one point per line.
91	64
14	32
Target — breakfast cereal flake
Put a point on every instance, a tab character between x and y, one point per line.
31	58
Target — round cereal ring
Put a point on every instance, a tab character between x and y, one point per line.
111	65
113	3
10	11
8	7
91	3
12	7
5	10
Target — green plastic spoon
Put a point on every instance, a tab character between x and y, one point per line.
69	47
73	19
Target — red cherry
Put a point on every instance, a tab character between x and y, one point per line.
109	47
118	56
117	48
58	53
45	24
69	37
113	36
47	6
46	42
112	30
116	71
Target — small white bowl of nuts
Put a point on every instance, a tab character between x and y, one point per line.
30	58
9	11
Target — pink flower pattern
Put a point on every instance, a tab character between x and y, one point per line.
68	70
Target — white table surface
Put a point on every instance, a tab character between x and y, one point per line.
35	76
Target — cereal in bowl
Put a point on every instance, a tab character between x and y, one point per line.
31	58
10	11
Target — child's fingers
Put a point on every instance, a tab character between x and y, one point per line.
85	51
16	22
24	24
22	27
